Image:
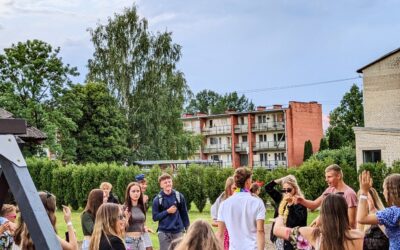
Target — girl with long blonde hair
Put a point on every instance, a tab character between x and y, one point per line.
293	215
199	236
109	228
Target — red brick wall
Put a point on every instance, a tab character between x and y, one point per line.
303	122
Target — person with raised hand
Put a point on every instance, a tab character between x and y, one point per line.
390	216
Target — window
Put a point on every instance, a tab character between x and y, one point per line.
279	137
371	156
213	141
262	119
229	158
215	157
280	157
263	156
210	123
244	138
229	140
262	138
242	120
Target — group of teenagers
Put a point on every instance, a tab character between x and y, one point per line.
347	220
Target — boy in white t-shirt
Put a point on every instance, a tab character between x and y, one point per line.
243	216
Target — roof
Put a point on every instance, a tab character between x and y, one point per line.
32	133
168	162
194	117
379	59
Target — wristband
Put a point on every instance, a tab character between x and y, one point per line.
69	223
363	197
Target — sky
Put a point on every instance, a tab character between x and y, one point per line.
254	47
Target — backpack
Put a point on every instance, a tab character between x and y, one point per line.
375	239
177	196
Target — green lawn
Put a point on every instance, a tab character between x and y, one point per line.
194	214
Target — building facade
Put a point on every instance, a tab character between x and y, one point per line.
267	137
379	139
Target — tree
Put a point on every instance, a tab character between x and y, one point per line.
32	79
139	68
207	101
308	150
323	144
349	114
102	134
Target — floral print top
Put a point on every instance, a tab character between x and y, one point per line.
390	218
298	241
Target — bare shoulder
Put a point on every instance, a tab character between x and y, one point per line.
356	234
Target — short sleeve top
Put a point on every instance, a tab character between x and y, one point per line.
349	195
138	220
390	218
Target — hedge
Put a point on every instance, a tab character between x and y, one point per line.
72	183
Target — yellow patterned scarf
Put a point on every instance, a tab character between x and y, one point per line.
283	211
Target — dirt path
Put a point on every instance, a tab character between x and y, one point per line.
268	243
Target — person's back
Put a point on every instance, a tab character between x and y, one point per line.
240	213
355	241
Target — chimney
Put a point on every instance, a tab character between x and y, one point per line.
230	111
277	106
261	108
200	114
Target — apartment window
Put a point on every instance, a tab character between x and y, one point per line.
213	141
229	158
210	123
371	156
262	138
215	157
244	138
263	157
229	140
280	157
220	140
262	119
279	137
242	120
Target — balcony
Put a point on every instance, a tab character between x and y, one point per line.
217	130
269	164
242	147
268	126
270	145
217	148
242	128
195	130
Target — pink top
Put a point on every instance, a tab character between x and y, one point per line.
349	195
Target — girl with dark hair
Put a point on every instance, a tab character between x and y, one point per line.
390	216
94	201
108	228
135	212
49	203
332	233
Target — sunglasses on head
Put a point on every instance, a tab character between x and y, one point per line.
287	190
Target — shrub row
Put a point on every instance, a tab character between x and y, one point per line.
72	183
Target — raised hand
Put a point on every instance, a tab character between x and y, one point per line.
365	181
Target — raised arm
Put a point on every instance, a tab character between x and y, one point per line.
312	205
362	212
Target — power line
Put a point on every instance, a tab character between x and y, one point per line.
295	85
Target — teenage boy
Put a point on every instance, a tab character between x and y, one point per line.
243	216
140	178
336	185
169	209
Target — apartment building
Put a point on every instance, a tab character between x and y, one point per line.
379	139
267	137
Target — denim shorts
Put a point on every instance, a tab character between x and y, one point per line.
133	243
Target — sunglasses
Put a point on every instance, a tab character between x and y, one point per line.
287	190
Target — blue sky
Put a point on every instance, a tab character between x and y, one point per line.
231	45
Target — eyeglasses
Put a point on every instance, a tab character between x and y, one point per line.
121	217
287	190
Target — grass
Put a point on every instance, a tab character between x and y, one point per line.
194	214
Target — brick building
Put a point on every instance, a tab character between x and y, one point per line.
379	139
267	137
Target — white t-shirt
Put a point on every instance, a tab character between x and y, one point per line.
240	213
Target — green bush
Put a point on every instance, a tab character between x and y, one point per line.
311	177
62	187
344	155
41	171
153	188
182	183
125	175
